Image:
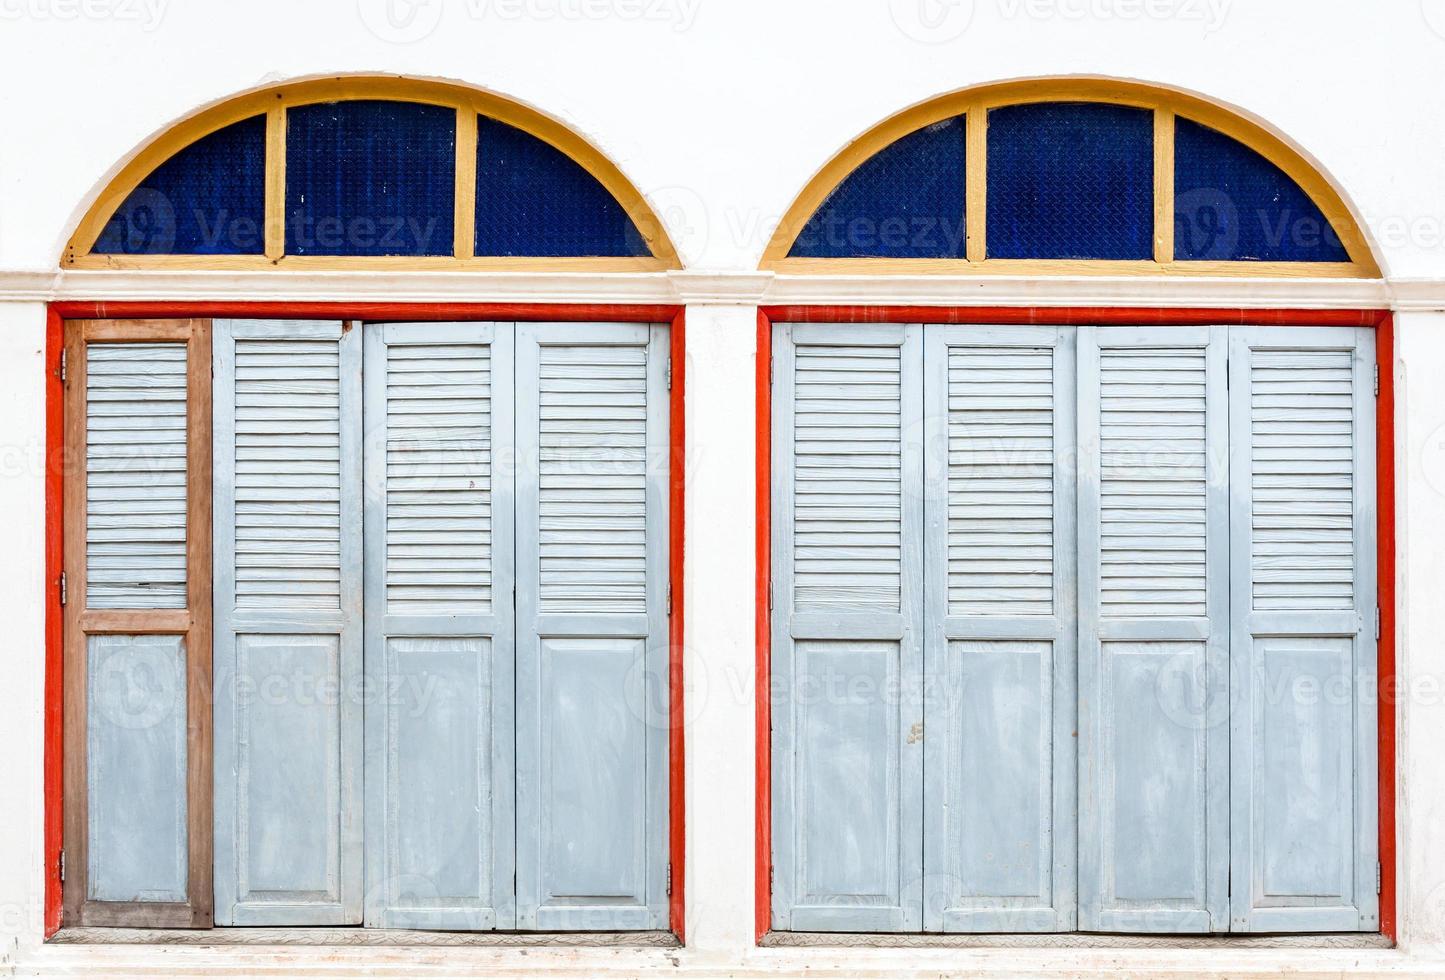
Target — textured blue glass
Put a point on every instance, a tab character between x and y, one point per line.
208	199
370	178
533	199
1070	180
904	202
1231	203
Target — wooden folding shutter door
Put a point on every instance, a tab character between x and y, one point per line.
999	805
847	636
592	646
1304	614
440	754
138	623
1153	630
288	623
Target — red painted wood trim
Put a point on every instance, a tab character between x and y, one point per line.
1068	315
54	425
677	826
1384	326
1385	573
763	395
571	313
54	619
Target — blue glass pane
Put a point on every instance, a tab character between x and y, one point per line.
208	199
904	202
1070	180
533	199
370	178
1231	203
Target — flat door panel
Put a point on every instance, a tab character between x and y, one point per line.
439	629
592	644
1304	826
847	644
1153	634
999	807
137	759
288	613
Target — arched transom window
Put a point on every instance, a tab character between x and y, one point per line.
361	172
1071	177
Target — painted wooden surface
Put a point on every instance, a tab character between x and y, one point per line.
847	644
440	633
137	769
592	731
136	476
288	614
1303	647
1201	755
138	672
999	797
1153	575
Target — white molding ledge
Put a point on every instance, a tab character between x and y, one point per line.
720	288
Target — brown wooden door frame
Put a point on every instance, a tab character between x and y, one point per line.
193	623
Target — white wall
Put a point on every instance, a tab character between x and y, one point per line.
720	111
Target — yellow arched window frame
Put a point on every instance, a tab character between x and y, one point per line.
274	102
1166	105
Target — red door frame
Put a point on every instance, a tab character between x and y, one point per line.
1380	320
58	313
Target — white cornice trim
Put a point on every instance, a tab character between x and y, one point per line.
1417	295
720	288
361	287
1080	291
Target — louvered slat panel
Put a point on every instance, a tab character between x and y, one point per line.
1000	481
1152	482
438	479
136	476
288	474
847	487
1302	454
592	502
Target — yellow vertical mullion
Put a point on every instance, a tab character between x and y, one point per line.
275	231
465	216
975	192
1163	185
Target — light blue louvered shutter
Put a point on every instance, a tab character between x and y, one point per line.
592	643
439	626
847	643
1303	653
288	623
999	803
135	518
1153	630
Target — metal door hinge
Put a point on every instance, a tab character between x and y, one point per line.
1379	878
771	362
669	878
1377	622
669	372
1377	381
771	877
63	595
61	868
770	595
64	367
669	600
